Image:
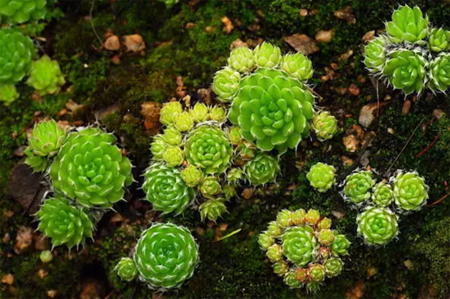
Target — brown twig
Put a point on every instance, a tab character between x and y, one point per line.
439	200
429	146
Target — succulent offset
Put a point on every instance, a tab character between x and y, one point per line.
8	94
324	125
212	209
410	191
358	186
411	56
63	222
322	176
45	76
226	84
382	194
300	245
378	226
165	256
261	169
46	138
126	269
20	11
90	169
166	190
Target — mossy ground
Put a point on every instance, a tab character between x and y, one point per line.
234	267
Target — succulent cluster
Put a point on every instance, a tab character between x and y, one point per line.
303	248
165	256
198	155
381	202
322	176
87	170
270	102
412	55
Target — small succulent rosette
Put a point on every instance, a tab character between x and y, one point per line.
303	248
87	173
269	100
164	257
411	56
322	177
18	12
199	161
382	203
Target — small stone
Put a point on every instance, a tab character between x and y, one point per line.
347	161
303	12
354	90
150	112
210	29
351	143
112	43
238	43
227	25
346	14
371	271
438	113
6	238
247	193
338	214
205	95
24	239
368	36
19	152
40	242
189	25
391	131
223	227
8	279
367	113
346	55
324	36
115	59
42	273
302	43
51	293
406	107
409	264
134	43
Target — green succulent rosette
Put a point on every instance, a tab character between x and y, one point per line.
375	54
169	3
272	110
191	175
173	156
440	73
16	53
169	113
291	281
340	245
212	209
199	112
126	269
184	122
8	94
165	256
234	175
20	11
265	240
322	176
324	125
217	113
408	24
166	190
46	76
208	148
382	194
300	245
158	148
46	138
358	186
262	169
406	70
280	268
37	163
210	187
410	191
439	40
90	169
333	266
316	273
298	66
267	55
64	223
378	226
172	136
226	84
241	59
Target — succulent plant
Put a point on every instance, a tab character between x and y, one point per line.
16	53
410	191
408	24
165	256
173	156
191	175
378	226
8	94
375	54
267	55
325	125
172	136
158	147
183	122
234	175
37	163
126	269
46	256
212	209
64	223
20	11
298	66
300	246
90	169
217	113
241	59
382	194
46	76
226	84
47	138
262	169
208	148
440	73
234	135
166	189
169	3
272	109
322	176
229	191
439	40
358	186
210	187
405	70
169	113
199	113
